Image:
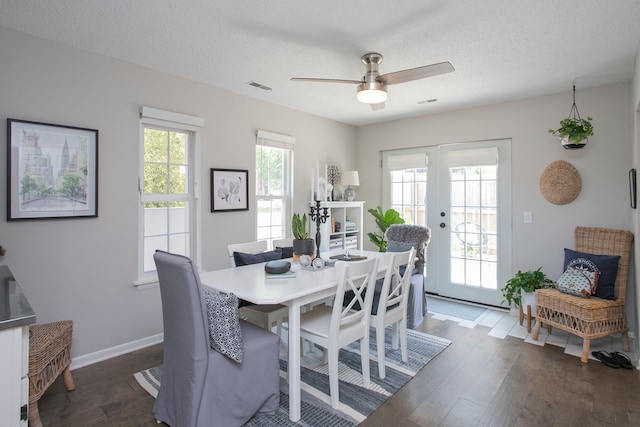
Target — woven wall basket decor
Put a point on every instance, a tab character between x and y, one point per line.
560	183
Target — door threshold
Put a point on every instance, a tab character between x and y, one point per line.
472	303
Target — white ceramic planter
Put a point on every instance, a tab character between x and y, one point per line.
528	298
572	145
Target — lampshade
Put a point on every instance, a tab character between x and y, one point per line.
350	178
372	92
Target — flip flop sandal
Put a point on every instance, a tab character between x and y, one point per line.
606	358
622	359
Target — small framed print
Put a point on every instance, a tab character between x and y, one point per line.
229	190
52	171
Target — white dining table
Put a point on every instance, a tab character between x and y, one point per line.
250	283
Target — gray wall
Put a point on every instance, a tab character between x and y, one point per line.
83	269
603	166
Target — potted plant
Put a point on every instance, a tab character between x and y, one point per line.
302	244
383	221
573	132
523	285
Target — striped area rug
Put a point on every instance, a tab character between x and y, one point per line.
356	401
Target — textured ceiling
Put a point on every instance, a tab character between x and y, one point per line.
501	49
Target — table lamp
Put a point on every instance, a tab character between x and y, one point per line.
350	178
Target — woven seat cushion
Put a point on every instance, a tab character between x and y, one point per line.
591	309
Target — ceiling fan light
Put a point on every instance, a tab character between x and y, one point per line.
372	93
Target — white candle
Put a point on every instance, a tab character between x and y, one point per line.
312	180
318	179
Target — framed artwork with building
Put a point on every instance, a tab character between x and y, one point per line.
52	171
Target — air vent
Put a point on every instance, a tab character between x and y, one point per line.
258	85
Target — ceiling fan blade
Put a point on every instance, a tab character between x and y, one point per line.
376	107
416	73
313	79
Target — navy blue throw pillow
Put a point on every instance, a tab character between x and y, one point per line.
242	258
606	265
287	251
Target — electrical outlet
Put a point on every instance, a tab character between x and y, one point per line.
528	217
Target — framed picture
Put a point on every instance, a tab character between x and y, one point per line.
52	171
229	190
632	188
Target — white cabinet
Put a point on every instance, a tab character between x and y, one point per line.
342	229
15	316
14	364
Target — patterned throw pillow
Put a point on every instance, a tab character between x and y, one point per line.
224	325
574	281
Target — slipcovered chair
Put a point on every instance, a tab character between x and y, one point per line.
593	317
400	238
265	315
201	386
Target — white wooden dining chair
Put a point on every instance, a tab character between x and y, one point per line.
392	305
282	243
264	315
247	248
335	327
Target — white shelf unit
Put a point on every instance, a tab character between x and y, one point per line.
348	234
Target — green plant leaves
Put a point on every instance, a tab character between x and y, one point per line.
299	226
383	221
574	129
527	281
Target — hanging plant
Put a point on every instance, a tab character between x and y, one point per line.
574	130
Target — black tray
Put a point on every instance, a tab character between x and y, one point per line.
343	257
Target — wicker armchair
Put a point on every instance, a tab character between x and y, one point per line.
593	317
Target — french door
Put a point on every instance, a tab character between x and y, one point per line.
462	192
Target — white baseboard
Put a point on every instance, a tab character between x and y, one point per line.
108	353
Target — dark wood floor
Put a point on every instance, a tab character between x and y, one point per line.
477	381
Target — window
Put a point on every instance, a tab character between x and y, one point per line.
274	166
407	185
168	208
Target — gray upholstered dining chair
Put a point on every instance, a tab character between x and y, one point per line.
402	237
201	386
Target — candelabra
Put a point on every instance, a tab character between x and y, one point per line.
320	218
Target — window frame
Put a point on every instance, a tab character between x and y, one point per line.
192	126
286	143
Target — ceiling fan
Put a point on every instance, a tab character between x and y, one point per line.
372	88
